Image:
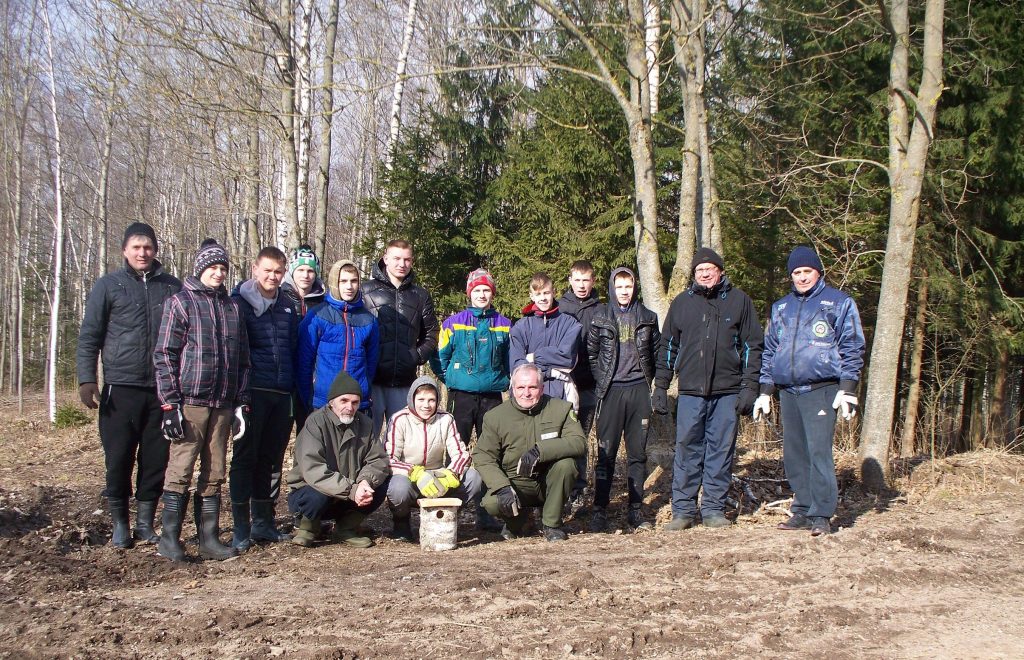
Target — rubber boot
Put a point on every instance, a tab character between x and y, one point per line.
306	532
241	530
206	511
402	529
263	528
122	537
144	521
170	532
345	530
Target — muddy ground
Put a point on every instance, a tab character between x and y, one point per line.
933	569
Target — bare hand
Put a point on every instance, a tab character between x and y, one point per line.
363	494
89	393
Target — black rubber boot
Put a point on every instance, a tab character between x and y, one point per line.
144	521
635	518
241	530
170	532
206	511
485	522
122	537
263	528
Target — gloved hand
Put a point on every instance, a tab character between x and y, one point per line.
527	464
659	401
846	404
240	422
745	401
173	424
89	393
508	502
426	482
762	406
448	479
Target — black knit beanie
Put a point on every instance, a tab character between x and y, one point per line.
804	257
210	253
706	255
139	229
344	384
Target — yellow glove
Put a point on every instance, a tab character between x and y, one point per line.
429	486
447	478
416	472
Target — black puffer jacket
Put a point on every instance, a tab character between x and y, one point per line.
408	326
122	319
713	339
584	312
603	339
273	338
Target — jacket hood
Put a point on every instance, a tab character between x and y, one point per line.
250	293
531	310
379	272
418	383
591	299
345	305
192	283
612	300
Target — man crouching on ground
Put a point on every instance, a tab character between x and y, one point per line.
340	471
527	453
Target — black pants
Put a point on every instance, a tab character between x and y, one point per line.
311	503
129	421
469	408
259	454
625	411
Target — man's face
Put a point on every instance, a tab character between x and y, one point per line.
804	278
527	388
424	403
304	277
348	285
214	276
345	407
398	262
543	299
581	283
707	275
624	287
139	252
480	296
268	274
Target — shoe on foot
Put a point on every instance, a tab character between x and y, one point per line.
598	519
554	534
795	521
402	530
820	526
306	532
635	518
716	520
680	523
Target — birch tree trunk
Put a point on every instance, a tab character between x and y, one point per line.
326	124
652	39
304	87
287	208
399	88
908	156
907	448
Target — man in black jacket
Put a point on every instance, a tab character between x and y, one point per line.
712	338
122	320
408	328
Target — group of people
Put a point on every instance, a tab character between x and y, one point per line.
188	367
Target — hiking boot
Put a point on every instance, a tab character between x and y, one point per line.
716	520
598	519
552	534
402	530
679	523
144	521
345	530
635	518
820	526
170	526
122	536
263	528
241	527
306	532
795	521
206	511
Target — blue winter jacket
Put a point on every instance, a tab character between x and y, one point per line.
273	336
811	339
472	353
552	338
336	336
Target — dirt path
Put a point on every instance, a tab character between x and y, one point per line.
934	571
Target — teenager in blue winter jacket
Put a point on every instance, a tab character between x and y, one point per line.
813	354
338	335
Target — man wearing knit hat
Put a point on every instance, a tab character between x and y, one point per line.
712	340
813	355
302	283
121	321
340	471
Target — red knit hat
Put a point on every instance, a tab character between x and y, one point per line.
478	277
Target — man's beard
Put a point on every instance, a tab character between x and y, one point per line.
347	419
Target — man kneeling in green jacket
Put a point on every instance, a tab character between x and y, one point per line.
340	470
527	453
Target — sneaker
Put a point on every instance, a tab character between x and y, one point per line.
598	519
820	526
795	521
716	520
635	518
679	524
552	534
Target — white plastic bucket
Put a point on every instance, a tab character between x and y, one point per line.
439	523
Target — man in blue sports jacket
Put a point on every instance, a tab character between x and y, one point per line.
813	354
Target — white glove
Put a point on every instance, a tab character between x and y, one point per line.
762	406
239	423
845	404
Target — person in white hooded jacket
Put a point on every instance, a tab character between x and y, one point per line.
428	458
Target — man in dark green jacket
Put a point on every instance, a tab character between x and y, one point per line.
527	453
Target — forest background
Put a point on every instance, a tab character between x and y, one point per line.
523	135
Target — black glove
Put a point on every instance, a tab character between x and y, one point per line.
745	401
508	502
528	462
659	401
172	424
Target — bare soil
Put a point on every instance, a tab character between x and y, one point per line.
933	569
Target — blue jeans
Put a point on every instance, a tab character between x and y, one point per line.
808	426
311	503
705	447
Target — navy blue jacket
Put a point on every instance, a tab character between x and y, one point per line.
273	337
812	339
